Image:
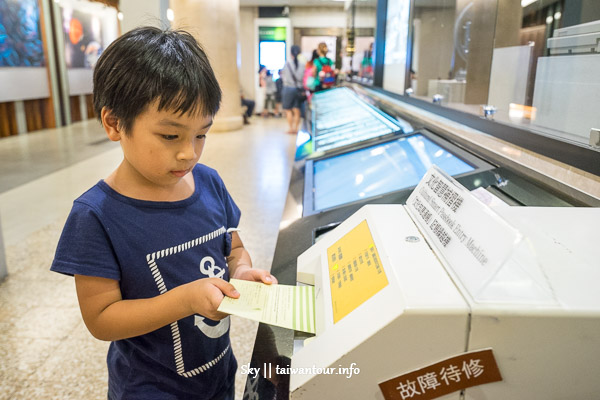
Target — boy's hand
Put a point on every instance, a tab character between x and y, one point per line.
205	296
252	274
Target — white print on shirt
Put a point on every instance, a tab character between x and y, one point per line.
208	267
212	332
152	260
210	270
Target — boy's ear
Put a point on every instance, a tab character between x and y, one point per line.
110	124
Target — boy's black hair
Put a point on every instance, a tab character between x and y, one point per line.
148	64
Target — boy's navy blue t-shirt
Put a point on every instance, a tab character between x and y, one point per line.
150	248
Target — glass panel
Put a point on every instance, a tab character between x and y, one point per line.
342	119
380	169
530	63
358	44
396	42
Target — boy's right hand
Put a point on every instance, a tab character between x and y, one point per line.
205	295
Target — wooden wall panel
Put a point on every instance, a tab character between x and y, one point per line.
33	115
75	109
39	114
8	120
89	102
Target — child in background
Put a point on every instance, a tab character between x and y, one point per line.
153	245
310	82
271	90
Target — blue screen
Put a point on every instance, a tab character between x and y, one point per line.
380	169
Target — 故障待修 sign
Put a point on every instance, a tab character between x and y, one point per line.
460	372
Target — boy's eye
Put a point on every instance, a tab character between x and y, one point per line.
169	137
201	136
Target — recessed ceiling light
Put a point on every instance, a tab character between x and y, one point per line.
525	3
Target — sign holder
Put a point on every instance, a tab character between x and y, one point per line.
482	252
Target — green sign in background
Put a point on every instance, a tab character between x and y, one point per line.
271	33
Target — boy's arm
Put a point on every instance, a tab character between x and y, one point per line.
109	317
240	264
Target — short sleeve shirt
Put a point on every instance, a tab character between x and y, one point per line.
150	248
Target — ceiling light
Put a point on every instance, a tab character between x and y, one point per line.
525	3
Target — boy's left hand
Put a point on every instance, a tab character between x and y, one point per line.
253	274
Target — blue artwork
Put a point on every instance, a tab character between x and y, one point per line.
20	35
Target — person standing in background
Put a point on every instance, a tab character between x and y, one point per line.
366	65
324	69
293	94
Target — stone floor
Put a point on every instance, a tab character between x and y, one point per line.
45	350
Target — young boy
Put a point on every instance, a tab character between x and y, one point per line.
153	245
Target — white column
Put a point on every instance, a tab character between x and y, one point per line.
21	117
215	24
83	107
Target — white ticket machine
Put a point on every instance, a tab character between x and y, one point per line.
400	288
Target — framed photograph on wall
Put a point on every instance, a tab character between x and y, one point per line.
83	37
20	34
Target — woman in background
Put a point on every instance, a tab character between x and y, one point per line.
293	89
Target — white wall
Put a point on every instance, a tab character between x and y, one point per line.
143	12
366	17
23	83
331	17
318	17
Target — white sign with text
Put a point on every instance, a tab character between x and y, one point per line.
471	237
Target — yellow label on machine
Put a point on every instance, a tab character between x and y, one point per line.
355	271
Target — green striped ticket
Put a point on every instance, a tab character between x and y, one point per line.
287	306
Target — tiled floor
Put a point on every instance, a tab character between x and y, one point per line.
45	350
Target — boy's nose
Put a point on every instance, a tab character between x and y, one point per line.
187	152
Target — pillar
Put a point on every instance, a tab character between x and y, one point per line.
215	24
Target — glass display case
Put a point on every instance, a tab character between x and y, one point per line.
340	119
382	168
533	71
